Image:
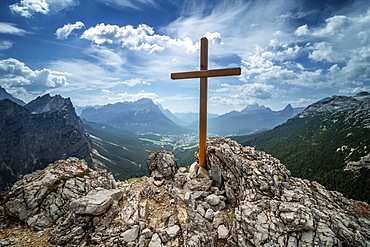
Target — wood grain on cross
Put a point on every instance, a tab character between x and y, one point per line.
203	74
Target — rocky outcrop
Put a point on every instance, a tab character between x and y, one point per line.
162	165
273	208
43	131
256	203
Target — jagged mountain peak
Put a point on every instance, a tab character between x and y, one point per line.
143	104
288	107
145	101
257	202
288	110
5	95
253	107
251	119
47	103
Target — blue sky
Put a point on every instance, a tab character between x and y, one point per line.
107	51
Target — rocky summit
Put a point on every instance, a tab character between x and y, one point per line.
244	197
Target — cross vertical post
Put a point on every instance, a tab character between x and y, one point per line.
203	103
203	74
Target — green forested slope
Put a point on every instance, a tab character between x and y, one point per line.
318	143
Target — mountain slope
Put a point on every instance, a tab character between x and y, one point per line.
120	152
319	143
5	95
139	116
43	131
124	153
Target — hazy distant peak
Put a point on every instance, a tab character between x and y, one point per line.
288	108
253	107
145	101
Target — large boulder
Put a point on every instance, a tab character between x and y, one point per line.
161	165
42	197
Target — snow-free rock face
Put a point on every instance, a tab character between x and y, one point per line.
162	165
43	131
256	203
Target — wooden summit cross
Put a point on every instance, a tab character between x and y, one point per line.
203	74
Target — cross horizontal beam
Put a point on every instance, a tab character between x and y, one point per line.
206	73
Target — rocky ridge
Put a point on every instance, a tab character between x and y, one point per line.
355	108
328	142
253	201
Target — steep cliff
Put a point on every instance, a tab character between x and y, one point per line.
256	203
43	131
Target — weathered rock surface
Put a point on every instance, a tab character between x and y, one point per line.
258	204
162	165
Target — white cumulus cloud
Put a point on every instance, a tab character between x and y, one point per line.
27	8
302	30
343	42
14	73
66	30
336	25
141	38
323	51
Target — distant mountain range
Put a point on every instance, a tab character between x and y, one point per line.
251	119
139	116
144	116
32	136
328	142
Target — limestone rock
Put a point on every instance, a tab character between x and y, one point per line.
162	165
96	202
257	203
131	234
173	231
222	232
